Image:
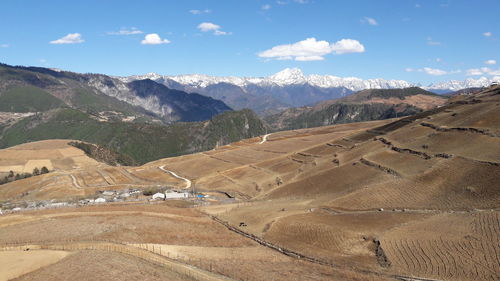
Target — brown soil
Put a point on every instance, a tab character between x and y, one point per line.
99	265
17	263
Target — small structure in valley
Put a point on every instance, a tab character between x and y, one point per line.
100	200
158	195
172	194
108	193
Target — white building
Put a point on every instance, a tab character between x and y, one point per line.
100	200
125	195
170	194
158	196
57	205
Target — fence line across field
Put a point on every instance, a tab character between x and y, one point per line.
150	253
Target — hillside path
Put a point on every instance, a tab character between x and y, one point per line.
264	138
75	182
188	182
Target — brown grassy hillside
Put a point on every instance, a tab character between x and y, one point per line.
415	198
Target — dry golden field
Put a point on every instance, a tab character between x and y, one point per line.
416	198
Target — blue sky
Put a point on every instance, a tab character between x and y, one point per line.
418	41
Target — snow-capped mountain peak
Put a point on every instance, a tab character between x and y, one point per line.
287	88
151	75
455	85
295	76
288	76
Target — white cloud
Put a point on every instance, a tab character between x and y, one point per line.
432	42
153	39
43	62
286	2
487	34
346	46
473	72
491	62
485	69
208	26
310	49
199	12
71	38
4	45
309	58
434	71
124	31
218	32
305	49
494	72
482	71
370	21
265	7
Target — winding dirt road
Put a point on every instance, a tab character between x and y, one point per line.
264	138
75	182
188	182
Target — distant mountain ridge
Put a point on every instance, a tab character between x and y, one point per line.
365	105
288	88
98	93
141	120
456	85
266	95
142	142
286	77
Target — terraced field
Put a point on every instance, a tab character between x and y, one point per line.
170	243
465	249
416	198
53	154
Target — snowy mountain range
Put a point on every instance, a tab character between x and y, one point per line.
455	85
286	77
288	88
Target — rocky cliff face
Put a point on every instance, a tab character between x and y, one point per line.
171	105
177	105
97	92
